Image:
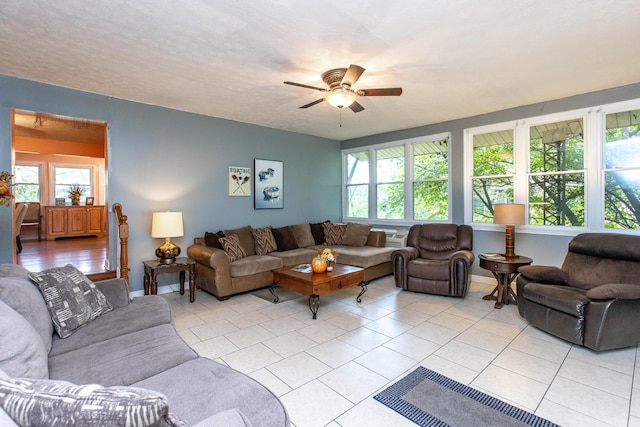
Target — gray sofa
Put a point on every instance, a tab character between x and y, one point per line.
296	244
135	345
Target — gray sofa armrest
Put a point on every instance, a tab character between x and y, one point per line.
229	418
116	291
614	291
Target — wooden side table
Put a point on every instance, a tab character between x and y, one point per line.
154	267
504	270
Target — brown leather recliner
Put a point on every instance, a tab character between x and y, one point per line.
436	260
594	299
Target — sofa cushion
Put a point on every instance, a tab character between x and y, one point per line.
265	242
318	232
212	239
302	234
124	359
233	248
284	238
254	264
60	403
22	352
566	299
72	299
142	313
363	257
295	256
333	233
356	234
20	293
229	418
189	390
246	239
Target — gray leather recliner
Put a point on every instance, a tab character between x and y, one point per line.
594	299
437	260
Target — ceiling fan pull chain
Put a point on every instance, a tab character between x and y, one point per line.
340	117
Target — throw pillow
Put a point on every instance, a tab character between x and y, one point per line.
245	237
212	239
22	351
356	234
61	403
265	242
232	247
333	233
284	239
72	299
302	234
317	231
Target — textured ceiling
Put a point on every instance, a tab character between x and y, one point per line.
228	58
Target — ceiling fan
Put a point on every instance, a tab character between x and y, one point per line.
340	93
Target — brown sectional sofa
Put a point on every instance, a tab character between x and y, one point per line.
296	244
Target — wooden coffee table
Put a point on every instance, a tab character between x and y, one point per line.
316	284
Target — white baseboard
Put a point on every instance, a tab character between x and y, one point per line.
483	279
165	289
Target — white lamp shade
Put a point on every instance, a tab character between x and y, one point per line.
167	224
508	213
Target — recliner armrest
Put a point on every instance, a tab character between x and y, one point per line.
544	274
465	255
407	253
614	291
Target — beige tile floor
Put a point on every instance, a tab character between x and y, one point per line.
327	370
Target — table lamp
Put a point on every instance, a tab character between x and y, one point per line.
166	225
509	214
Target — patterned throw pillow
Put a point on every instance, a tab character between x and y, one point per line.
333	233
265	242
72	299
60	403
232	247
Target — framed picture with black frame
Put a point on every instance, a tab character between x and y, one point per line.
89	201
268	184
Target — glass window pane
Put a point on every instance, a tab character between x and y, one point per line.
357	165
68	177
358	201
430	160
622	147
431	200
27	183
493	153
390	164
486	193
556	199
390	201
557	147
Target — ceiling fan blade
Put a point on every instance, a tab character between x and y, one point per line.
311	104
352	75
390	91
355	107
306	86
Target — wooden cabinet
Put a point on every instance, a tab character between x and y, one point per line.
71	221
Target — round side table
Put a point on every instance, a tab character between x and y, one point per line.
504	270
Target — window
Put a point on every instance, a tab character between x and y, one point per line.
575	170
357	183
493	172
431	180
556	174
400	182
67	176
390	182
27	183
622	170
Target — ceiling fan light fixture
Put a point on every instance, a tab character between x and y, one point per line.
341	98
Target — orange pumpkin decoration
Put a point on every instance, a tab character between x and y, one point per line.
319	264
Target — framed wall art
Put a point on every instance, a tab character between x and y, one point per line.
268	184
239	181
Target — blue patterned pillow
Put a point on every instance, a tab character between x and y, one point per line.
72	299
61	404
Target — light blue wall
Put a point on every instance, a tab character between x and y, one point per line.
162	159
544	249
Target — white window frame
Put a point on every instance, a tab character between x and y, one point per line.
52	177
408	180
41	175
594	167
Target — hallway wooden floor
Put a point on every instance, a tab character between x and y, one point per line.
85	253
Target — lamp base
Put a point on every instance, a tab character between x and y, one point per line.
167	252
509	242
